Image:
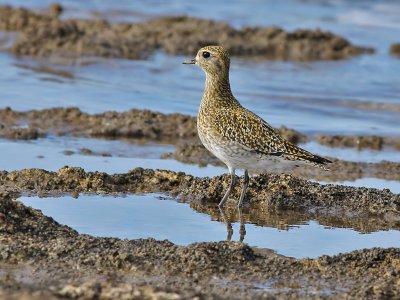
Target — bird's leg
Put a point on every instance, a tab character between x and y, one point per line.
242	230
245	184
232	184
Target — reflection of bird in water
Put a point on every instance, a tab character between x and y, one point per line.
229	229
237	136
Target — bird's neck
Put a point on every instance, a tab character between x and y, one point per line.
217	87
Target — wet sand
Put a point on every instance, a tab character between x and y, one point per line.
41	257
44	34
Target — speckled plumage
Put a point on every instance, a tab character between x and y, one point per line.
237	136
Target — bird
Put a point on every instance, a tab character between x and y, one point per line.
238	137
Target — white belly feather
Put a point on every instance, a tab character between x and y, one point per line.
237	156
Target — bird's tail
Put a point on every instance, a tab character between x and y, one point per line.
318	161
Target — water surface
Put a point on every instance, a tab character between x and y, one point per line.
139	216
310	96
50	155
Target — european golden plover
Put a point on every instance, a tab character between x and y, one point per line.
237	136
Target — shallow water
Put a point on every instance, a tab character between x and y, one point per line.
352	154
311	97
138	216
54	152
301	96
49	155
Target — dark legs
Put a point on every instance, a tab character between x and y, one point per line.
231	186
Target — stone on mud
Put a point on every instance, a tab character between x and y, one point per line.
395	49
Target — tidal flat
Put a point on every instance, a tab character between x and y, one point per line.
107	193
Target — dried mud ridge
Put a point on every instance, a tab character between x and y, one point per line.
72	121
42	258
265	191
43	34
145	124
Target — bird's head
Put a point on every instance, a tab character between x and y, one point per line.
214	60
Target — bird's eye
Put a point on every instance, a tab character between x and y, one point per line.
206	54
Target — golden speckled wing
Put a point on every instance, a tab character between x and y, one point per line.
244	127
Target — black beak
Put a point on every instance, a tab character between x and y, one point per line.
189	62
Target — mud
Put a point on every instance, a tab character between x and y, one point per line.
145	124
360	142
367	105
130	124
265	190
87	151
135	123
45	34
180	130
42	258
340	170
395	49
20	133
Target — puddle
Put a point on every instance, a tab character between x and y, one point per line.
24	274
288	233
115	147
275	286
53	153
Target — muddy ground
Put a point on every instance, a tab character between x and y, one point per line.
150	125
180	131
42	258
72	121
266	190
44	34
395	49
373	142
